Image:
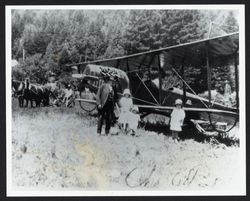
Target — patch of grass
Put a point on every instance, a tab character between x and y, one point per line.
155	123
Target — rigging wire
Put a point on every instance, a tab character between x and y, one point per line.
190	87
209	114
140	100
148	89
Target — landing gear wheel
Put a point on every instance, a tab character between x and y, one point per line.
210	117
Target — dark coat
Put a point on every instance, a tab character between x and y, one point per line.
103	93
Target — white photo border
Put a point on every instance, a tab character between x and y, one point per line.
32	192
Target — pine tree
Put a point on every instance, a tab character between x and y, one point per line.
180	26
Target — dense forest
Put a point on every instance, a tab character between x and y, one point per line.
44	41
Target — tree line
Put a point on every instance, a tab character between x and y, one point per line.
45	41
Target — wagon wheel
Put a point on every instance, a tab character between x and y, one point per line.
88	107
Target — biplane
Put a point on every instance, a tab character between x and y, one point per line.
145	74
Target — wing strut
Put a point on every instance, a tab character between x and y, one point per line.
189	87
208	74
160	79
236	81
150	62
147	89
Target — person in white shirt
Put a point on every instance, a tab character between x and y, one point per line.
177	118
126	105
68	96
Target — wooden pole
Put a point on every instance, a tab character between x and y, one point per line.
210	29
86	56
23	54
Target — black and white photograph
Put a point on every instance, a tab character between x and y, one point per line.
125	100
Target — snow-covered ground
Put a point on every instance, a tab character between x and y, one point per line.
55	149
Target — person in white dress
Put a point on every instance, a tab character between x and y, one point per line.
134	120
177	118
126	105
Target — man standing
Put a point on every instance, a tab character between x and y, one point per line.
105	100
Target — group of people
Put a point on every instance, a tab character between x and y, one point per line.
107	101
64	96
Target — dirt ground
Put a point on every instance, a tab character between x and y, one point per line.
58	148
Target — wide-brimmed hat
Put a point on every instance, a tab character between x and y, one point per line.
178	102
126	91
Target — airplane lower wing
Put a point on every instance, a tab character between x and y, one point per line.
188	109
86	100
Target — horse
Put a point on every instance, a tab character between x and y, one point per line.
24	90
15	87
38	93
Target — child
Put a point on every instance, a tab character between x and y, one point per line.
134	120
126	105
177	118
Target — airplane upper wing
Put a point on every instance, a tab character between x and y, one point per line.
193	54
221	51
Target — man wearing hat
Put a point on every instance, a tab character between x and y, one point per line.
105	100
177	118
